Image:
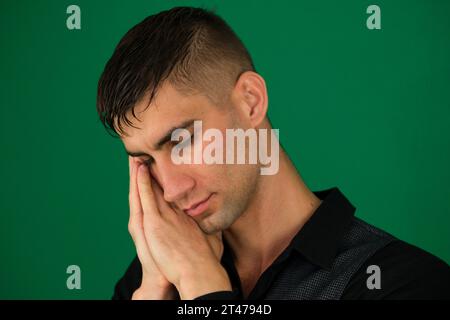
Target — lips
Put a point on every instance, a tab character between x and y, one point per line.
198	208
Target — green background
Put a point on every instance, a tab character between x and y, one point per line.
365	110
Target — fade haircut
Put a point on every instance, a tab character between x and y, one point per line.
193	49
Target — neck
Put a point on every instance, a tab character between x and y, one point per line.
281	206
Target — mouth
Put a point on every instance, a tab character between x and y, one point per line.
199	207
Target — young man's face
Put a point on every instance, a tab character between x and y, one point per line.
224	190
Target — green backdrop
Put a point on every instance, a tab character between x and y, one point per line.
365	110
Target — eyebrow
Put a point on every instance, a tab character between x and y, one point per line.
167	137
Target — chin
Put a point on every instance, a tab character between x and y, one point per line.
217	221
209	225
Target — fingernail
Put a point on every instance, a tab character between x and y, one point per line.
142	168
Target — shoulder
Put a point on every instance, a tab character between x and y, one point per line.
405	271
129	282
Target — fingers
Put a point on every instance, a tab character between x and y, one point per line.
135	224
130	163
162	204
135	204
146	194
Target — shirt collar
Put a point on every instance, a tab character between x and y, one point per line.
319	237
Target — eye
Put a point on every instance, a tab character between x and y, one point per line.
149	161
185	142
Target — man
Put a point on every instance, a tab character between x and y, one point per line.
225	231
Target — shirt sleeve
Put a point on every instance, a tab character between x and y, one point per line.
406	272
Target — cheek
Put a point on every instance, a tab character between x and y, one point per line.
212	178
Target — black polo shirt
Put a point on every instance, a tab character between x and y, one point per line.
406	272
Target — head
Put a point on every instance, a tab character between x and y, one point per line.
175	67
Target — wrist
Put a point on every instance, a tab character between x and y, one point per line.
200	282
155	292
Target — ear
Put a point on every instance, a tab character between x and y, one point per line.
250	93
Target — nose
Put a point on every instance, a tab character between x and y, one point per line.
173	179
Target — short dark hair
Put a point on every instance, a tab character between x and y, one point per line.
193	48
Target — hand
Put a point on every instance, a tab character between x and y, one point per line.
153	285
184	254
